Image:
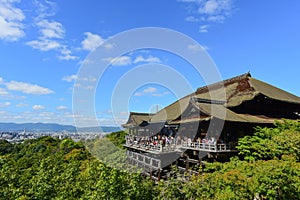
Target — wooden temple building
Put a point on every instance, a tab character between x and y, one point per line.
199	128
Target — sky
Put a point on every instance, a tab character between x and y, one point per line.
45	44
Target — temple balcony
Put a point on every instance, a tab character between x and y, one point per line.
159	147
156	147
207	147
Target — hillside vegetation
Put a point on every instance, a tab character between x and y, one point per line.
46	168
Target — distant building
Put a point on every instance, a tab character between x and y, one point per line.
198	127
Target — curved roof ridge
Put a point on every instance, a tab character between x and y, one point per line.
219	84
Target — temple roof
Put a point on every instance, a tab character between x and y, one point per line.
232	92
243	88
136	118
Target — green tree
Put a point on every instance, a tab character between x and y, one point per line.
270	143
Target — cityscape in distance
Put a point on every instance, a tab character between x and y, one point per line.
15	132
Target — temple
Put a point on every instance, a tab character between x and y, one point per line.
205	125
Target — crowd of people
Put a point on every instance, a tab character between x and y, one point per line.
153	142
157	141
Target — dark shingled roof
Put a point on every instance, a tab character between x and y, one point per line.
136	118
243	88
233	92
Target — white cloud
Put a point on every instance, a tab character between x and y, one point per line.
67	57
196	48
51	29
208	11
66	117
149	90
38	107
5	104
152	91
150	59
44	44
45	8
70	78
49	32
52	33
37	116
6	95
214	7
27	88
92	41
11	19
84	86
3	113
22	105
3	92
138	94
66	54
88	79
209	7
119	61
192	19
203	28
146	91
74	77
46	115
61	108
216	18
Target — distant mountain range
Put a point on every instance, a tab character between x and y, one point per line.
44	127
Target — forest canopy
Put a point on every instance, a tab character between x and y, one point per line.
47	168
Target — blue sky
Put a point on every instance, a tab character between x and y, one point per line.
43	45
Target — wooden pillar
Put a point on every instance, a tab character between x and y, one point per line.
187	164
151	173
215	157
159	175
200	164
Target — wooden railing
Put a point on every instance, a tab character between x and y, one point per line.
174	145
208	146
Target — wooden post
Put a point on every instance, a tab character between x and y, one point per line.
187	164
159	175
151	173
200	164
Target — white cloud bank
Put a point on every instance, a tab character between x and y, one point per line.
51	32
149	59
38	107
61	108
152	91
51	29
91	41
4	104
3	92
70	78
11	27
127	60
27	88
119	61
208	12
